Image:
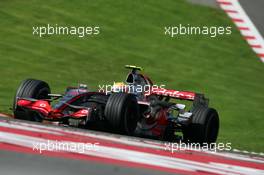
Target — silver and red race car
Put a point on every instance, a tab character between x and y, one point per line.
136	107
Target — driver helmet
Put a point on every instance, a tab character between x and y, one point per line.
119	87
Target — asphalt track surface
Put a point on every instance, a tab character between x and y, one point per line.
255	11
253	8
12	163
116	154
22	163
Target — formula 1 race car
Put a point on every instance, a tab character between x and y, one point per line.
136	107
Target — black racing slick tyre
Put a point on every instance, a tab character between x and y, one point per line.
203	127
30	88
122	112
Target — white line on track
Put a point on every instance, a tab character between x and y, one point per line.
123	154
245	25
140	157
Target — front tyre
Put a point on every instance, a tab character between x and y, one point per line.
30	88
122	112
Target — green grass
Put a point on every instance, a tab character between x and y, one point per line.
132	32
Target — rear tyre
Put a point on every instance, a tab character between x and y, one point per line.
122	112
30	88
204	126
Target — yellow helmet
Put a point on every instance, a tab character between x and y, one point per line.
119	87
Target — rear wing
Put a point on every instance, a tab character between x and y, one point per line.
198	99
